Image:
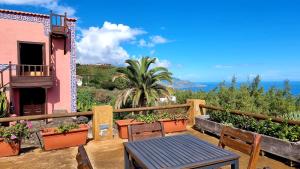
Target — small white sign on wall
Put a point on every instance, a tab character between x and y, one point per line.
103	129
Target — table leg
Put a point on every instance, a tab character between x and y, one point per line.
126	159
235	164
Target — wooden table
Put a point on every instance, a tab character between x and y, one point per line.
180	151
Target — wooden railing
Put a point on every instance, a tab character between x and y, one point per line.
58	23
202	106
32	70
60	115
45	116
250	114
152	108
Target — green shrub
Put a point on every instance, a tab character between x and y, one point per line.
3	105
292	115
151	117
65	128
266	127
85	100
147	118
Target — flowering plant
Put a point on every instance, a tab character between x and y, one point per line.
16	131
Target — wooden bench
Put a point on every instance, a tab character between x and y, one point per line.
83	159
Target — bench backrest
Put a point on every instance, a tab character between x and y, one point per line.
143	131
243	141
83	159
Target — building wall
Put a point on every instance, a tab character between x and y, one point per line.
60	95
14	28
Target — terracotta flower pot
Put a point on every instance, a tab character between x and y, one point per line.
172	126
9	149
75	137
123	127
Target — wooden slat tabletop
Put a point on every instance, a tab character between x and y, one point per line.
180	151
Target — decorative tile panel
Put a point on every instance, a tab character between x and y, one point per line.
71	26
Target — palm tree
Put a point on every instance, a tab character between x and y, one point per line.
144	83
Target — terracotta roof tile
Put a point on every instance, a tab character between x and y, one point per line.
30	14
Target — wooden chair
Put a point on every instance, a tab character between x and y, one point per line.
144	131
83	159
242	141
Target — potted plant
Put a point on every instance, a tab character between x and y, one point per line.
65	135
123	127
10	138
174	122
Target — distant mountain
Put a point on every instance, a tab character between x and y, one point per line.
184	84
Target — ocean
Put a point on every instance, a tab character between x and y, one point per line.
207	86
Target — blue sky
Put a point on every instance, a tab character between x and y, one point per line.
197	40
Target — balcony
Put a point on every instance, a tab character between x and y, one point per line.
59	29
24	76
58	24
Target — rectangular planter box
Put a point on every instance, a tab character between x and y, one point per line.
123	127
172	126
282	148
73	138
9	149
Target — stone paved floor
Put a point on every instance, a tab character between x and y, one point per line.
106	155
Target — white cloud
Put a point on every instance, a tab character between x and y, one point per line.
153	40
142	42
48	4
103	45
158	39
162	63
158	63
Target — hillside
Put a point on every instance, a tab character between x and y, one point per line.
100	76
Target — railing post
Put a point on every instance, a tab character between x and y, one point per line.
23	70
1	80
65	21
102	123
195	110
10	73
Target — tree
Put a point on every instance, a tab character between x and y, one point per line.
254	88
297	103
144	83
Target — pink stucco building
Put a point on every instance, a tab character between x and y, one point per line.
37	62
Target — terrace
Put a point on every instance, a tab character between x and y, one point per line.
107	152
